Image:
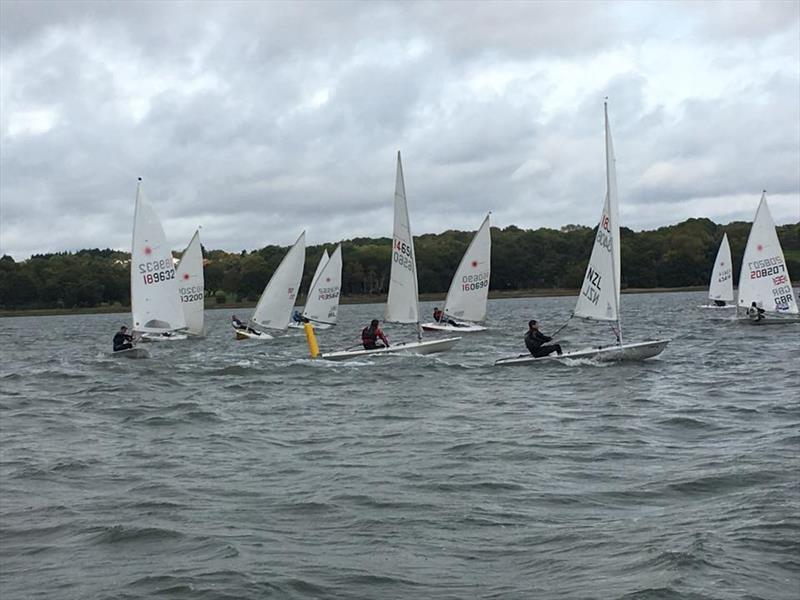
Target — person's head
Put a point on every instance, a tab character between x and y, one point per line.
373	323
753	304
123	329
533	324
435	308
234	318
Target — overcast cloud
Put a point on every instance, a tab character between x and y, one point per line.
256	120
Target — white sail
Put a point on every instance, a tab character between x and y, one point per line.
275	306
322	305
155	305
323	260
764	278
469	289
191	285
402	305
721	286
599	297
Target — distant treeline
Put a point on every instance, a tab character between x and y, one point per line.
675	256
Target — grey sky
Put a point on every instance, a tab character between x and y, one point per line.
259	119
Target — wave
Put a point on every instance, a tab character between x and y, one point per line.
664	593
118	534
64	466
240	369
708	484
687	423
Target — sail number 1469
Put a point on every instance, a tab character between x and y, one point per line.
402	254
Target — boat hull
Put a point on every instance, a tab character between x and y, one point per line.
241	334
715	307
158	337
317	326
426	347
464	328
131	353
626	352
787	320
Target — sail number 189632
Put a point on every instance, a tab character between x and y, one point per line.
158	276
155	271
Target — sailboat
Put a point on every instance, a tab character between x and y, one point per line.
469	290
322	302
274	308
189	272
599	296
191	286
155	305
720	289
402	305
764	278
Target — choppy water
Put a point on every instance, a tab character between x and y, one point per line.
223	469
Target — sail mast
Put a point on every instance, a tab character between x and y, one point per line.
611	191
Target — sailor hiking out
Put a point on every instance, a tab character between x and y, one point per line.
122	340
534	340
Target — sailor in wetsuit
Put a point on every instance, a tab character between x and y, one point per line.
122	340
535	338
755	312
297	317
440	317
370	336
237	324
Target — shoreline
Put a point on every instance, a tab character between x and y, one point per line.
353	299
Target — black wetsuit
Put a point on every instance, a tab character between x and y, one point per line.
534	341
122	341
440	317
